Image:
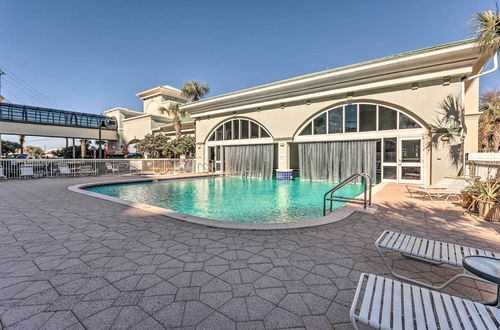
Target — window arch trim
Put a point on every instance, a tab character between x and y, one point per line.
238	129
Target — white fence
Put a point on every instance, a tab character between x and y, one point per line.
47	168
484	165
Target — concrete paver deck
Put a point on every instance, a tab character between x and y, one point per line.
71	261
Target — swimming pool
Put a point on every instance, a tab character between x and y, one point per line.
233	199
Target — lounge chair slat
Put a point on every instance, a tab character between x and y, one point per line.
396	314
444	251
419	310
399	241
387	238
404	245
496	313
365	306
393	240
429	252
462	313
450	309
423	248
490	324
416	246
377	300
386	305
451	253
429	313
408	308
474	315
440	311
458	254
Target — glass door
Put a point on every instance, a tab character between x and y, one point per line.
390	159
410	160
218	159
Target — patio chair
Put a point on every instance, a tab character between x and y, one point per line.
390	304
2	174
111	168
87	170
448	187
27	171
430	251
64	169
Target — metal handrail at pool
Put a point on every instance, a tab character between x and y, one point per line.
207	168
49	168
367	192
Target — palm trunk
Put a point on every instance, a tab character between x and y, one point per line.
177	126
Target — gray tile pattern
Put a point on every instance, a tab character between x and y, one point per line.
69	261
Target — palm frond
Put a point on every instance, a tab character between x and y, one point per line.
487	31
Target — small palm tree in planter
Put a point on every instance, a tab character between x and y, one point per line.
486	196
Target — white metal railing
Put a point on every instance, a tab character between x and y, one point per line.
47	168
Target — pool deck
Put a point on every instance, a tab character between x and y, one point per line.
72	261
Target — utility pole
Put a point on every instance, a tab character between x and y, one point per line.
1	74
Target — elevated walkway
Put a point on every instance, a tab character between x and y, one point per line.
19	119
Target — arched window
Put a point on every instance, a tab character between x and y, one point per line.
359	117
238	129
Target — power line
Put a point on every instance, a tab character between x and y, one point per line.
27	92
21	81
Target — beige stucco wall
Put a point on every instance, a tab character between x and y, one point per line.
283	123
137	128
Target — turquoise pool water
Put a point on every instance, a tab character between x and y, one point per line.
232	198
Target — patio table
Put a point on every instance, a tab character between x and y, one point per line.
487	268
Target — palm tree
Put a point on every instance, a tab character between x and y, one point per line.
194	90
487	31
489	122
173	110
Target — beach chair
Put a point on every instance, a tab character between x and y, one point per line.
2	174
111	168
390	304
430	251
64	169
27	171
447	188
87	170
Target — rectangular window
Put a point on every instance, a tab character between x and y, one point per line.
390	172
244	129
367	117
319	124
236	129
390	150
228	131
254	130
410	173
335	120
351	118
218	133
387	119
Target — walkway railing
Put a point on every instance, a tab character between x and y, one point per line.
45	116
48	168
366	180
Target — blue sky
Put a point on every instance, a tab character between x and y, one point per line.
94	55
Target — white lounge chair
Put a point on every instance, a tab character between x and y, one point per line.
446	188
27	171
390	304
64	169
430	251
111	168
87	170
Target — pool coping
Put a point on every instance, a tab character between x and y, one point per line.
336	215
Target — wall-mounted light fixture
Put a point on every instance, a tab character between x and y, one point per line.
308	102
258	109
282	105
349	96
446	81
414	86
445	138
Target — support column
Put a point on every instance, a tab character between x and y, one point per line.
21	142
1	153
284	172
83	145
74	149
67	144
